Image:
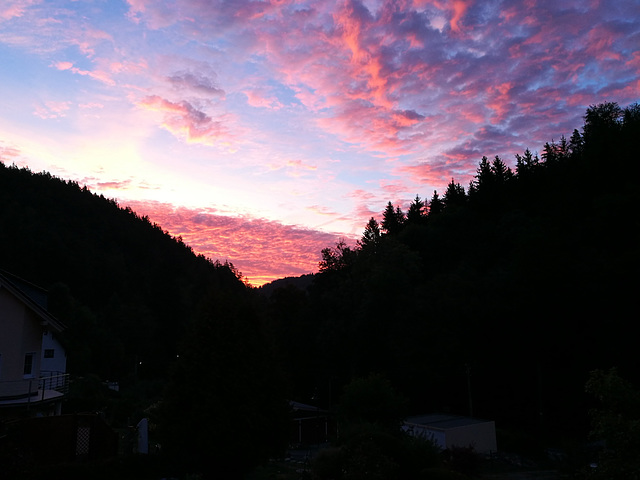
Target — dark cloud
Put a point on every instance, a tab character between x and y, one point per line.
411	115
196	82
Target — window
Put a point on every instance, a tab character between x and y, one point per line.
28	364
48	352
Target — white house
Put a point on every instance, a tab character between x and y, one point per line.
54	358
33	377
449	431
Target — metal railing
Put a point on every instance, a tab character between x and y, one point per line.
28	388
56	381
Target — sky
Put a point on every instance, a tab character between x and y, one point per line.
262	131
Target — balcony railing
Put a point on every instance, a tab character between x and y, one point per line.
50	385
56	381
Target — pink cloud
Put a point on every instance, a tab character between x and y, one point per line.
459	9
91	105
361	194
16	8
220	14
99	75
500	101
364	213
299	168
8	153
185	121
262	250
261	98
293	168
634	61
119	67
439	172
88	38
63	65
115	186
52	109
599	43
322	210
394	189
156	14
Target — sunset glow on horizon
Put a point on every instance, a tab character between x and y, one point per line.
261	131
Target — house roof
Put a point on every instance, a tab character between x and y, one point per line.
443	422
34	297
302	407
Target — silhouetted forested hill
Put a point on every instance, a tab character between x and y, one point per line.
302	283
497	299
126	289
181	333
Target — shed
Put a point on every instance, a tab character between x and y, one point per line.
310	424
449	431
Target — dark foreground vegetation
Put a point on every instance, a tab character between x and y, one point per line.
512	299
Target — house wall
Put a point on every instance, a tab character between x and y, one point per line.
59	361
20	333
